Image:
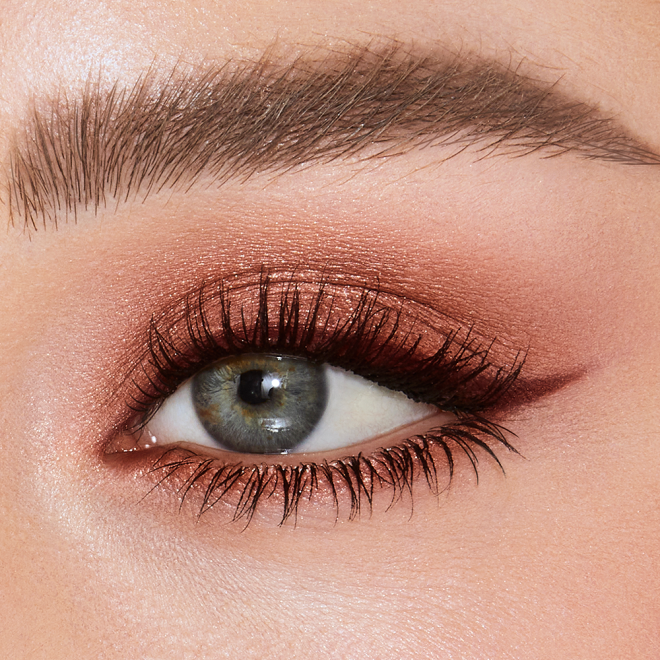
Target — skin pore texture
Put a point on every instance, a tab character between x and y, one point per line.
530	228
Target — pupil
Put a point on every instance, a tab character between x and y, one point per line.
260	404
251	387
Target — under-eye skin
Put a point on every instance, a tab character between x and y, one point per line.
235	344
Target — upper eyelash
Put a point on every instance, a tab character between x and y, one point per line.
370	342
375	340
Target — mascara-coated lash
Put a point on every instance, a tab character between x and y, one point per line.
422	353
374	334
350	483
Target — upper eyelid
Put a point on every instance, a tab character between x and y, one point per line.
180	325
398	324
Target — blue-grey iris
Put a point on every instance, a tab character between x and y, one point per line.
261	404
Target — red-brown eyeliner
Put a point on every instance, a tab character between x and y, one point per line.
376	334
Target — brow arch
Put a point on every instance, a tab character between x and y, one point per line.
218	122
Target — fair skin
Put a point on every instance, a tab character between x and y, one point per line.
552	257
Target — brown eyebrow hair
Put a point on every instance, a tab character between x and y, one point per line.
240	119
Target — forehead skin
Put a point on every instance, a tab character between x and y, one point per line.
559	559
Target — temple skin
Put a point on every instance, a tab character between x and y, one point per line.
548	249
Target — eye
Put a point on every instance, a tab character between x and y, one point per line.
274	404
233	374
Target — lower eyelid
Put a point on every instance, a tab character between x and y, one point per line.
238	489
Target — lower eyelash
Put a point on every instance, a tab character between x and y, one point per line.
392	341
352	482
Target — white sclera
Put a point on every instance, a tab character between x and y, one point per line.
357	411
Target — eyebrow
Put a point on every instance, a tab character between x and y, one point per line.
216	123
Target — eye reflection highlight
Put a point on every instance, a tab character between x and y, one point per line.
260	404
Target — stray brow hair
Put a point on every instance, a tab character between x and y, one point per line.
220	122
